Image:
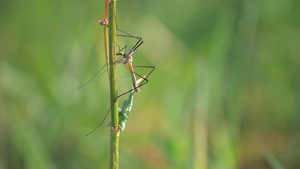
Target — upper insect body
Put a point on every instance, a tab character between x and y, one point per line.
127	61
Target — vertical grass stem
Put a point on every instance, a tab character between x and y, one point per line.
115	131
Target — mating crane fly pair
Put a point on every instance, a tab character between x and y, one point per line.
126	59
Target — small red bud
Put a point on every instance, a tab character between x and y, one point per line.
103	22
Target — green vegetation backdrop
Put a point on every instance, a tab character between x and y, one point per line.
225	93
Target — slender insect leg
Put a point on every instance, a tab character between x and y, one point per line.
99	73
109	111
128	34
120	50
138	43
145	80
140	40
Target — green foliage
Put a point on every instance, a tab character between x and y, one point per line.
273	162
124	111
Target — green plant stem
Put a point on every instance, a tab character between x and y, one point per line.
106	43
115	131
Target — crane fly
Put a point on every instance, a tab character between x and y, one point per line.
126	59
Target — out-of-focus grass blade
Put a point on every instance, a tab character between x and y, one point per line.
272	161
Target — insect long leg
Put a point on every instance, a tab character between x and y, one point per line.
109	111
129	35
99	73
139	42
120	50
145	80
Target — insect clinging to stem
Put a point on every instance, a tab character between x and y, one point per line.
125	58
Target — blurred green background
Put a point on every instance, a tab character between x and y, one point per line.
224	95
